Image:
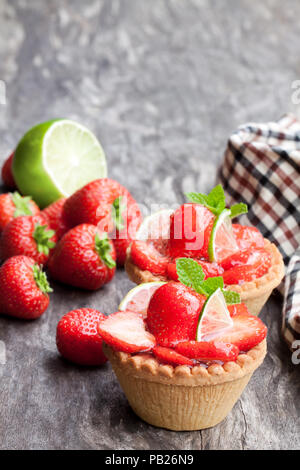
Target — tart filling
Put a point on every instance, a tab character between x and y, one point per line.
190	324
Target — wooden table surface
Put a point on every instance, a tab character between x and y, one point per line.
162	84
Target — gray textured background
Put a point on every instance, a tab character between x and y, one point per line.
162	84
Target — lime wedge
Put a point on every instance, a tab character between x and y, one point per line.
155	226
214	318
55	158
222	241
138	298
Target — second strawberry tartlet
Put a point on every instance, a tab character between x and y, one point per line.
202	230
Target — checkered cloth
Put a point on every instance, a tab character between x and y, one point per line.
262	168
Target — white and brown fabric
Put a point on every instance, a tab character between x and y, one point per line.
261	167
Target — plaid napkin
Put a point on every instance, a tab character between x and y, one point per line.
261	167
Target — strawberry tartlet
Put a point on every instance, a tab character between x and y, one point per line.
202	230
185	361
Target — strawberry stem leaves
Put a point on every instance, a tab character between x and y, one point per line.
41	279
215	202
191	274
118	208
103	249
21	204
42	236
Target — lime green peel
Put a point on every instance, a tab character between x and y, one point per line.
55	158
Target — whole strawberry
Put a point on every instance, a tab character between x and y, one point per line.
55	218
110	206
190	230
6	173
77	337
84	257
13	205
24	288
173	313
29	236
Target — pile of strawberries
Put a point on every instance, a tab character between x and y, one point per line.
79	240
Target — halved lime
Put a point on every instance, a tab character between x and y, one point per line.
138	298
55	158
222	241
155	226
214	318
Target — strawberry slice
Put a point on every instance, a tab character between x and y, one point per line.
169	356
209	269
147	257
246	266
247	331
209	350
248	237
237	309
125	331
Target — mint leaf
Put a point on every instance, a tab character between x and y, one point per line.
189	272
103	248
231	297
197	198
216	198
238	209
118	208
215	202
210	285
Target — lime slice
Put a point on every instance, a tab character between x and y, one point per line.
138	298
55	158
214	318
222	241
155	226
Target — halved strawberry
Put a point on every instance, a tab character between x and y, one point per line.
248	237
246	266
125	331
190	229
169	356
247	331
173	313
209	350
209	269
147	257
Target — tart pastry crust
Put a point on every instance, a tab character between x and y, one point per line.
183	398
254	293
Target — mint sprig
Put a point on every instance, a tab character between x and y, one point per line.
191	274
215	202
22	206
118	208
103	248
